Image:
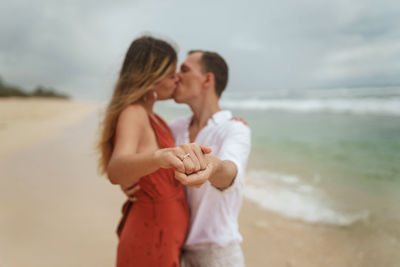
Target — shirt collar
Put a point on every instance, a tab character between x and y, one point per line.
220	116
216	118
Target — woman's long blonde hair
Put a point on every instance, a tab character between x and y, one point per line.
147	61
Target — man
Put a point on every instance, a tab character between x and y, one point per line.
213	238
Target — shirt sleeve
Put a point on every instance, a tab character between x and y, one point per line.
236	148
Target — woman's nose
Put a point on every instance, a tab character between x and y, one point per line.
177	77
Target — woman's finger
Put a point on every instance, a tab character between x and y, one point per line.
200	157
195	156
189	159
177	162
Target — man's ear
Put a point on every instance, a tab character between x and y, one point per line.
210	80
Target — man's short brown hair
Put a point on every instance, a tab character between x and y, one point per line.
214	63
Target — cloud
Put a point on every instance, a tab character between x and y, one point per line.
78	46
243	43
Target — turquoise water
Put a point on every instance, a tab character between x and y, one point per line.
353	159
356	148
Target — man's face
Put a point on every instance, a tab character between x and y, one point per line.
190	79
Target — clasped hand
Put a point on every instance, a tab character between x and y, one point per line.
191	162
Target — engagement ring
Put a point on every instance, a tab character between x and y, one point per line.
185	156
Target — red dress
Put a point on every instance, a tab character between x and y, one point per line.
153	229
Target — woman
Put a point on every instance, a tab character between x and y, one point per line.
137	147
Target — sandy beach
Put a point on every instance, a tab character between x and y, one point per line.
24	122
56	211
54	208
272	240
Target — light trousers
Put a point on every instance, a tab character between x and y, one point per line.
229	256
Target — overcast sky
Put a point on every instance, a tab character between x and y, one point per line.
78	46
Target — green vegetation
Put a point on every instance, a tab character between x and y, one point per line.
40	91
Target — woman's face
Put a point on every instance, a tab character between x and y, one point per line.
167	86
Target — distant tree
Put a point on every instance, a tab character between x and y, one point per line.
7	91
40	91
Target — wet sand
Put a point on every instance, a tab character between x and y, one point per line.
272	240
56	211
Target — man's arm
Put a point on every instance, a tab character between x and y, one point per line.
231	160
223	174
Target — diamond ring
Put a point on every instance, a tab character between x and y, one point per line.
185	156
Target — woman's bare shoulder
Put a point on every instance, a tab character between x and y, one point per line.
133	112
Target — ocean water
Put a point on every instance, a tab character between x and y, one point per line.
322	156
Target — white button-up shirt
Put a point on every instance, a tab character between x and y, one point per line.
214	213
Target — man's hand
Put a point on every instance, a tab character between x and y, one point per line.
130	191
196	179
236	118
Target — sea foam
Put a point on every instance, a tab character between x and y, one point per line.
291	197
379	106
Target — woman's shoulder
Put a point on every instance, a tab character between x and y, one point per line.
135	109
133	113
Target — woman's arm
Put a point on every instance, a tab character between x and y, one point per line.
126	165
